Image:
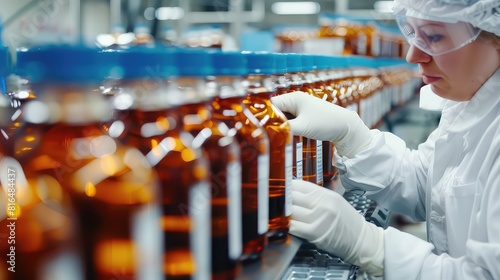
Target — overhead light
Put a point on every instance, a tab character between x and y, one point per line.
383	6
169	13
149	13
295	8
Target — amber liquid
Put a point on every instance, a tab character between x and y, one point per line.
180	169
322	91
38	232
280	140
297	160
254	144
309	154
223	154
102	189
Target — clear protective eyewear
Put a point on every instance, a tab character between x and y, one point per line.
435	37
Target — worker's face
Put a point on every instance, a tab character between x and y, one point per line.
458	74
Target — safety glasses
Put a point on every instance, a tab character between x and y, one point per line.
434	37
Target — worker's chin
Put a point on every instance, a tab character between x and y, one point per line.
438	91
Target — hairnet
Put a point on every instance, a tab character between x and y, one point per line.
483	14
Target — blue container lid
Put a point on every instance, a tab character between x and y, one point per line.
4	62
322	62
143	62
281	67
66	64
308	62
229	64
193	62
360	61
391	61
260	63
293	62
337	62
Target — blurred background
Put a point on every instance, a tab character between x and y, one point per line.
29	21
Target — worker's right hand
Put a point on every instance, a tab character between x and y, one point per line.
322	120
324	218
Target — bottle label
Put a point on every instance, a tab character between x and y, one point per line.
363	111
66	266
263	193
352	107
319	162
148	238
288	179
326	46
362	44
234	209
299	160
375	45
199	236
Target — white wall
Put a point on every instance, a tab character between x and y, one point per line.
52	21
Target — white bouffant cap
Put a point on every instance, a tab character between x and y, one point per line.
483	14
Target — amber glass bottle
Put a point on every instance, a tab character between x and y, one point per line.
6	108
360	67
254	145
260	88
223	153
346	29
298	82
323	90
311	146
282	81
65	150
149	105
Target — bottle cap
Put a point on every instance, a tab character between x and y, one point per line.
293	62
229	63
4	61
260	62
322	62
308	62
143	62
193	62
66	64
281	67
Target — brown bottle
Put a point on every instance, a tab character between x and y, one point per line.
282	81
254	145
149	106
322	89
223	153
36	229
65	146
312	147
260	88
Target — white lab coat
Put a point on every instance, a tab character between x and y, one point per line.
452	181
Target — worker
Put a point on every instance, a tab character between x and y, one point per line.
452	181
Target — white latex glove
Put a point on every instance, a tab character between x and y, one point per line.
322	120
326	219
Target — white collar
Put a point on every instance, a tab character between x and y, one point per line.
485	100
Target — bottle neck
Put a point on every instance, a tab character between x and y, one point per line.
147	95
72	104
227	86
194	89
281	82
259	84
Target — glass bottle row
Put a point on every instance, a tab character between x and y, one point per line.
159	163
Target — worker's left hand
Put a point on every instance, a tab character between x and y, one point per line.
326	219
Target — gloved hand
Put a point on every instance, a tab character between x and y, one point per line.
322	120
326	219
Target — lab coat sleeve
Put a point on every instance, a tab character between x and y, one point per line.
408	257
392	174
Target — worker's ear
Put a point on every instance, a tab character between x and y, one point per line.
490	38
